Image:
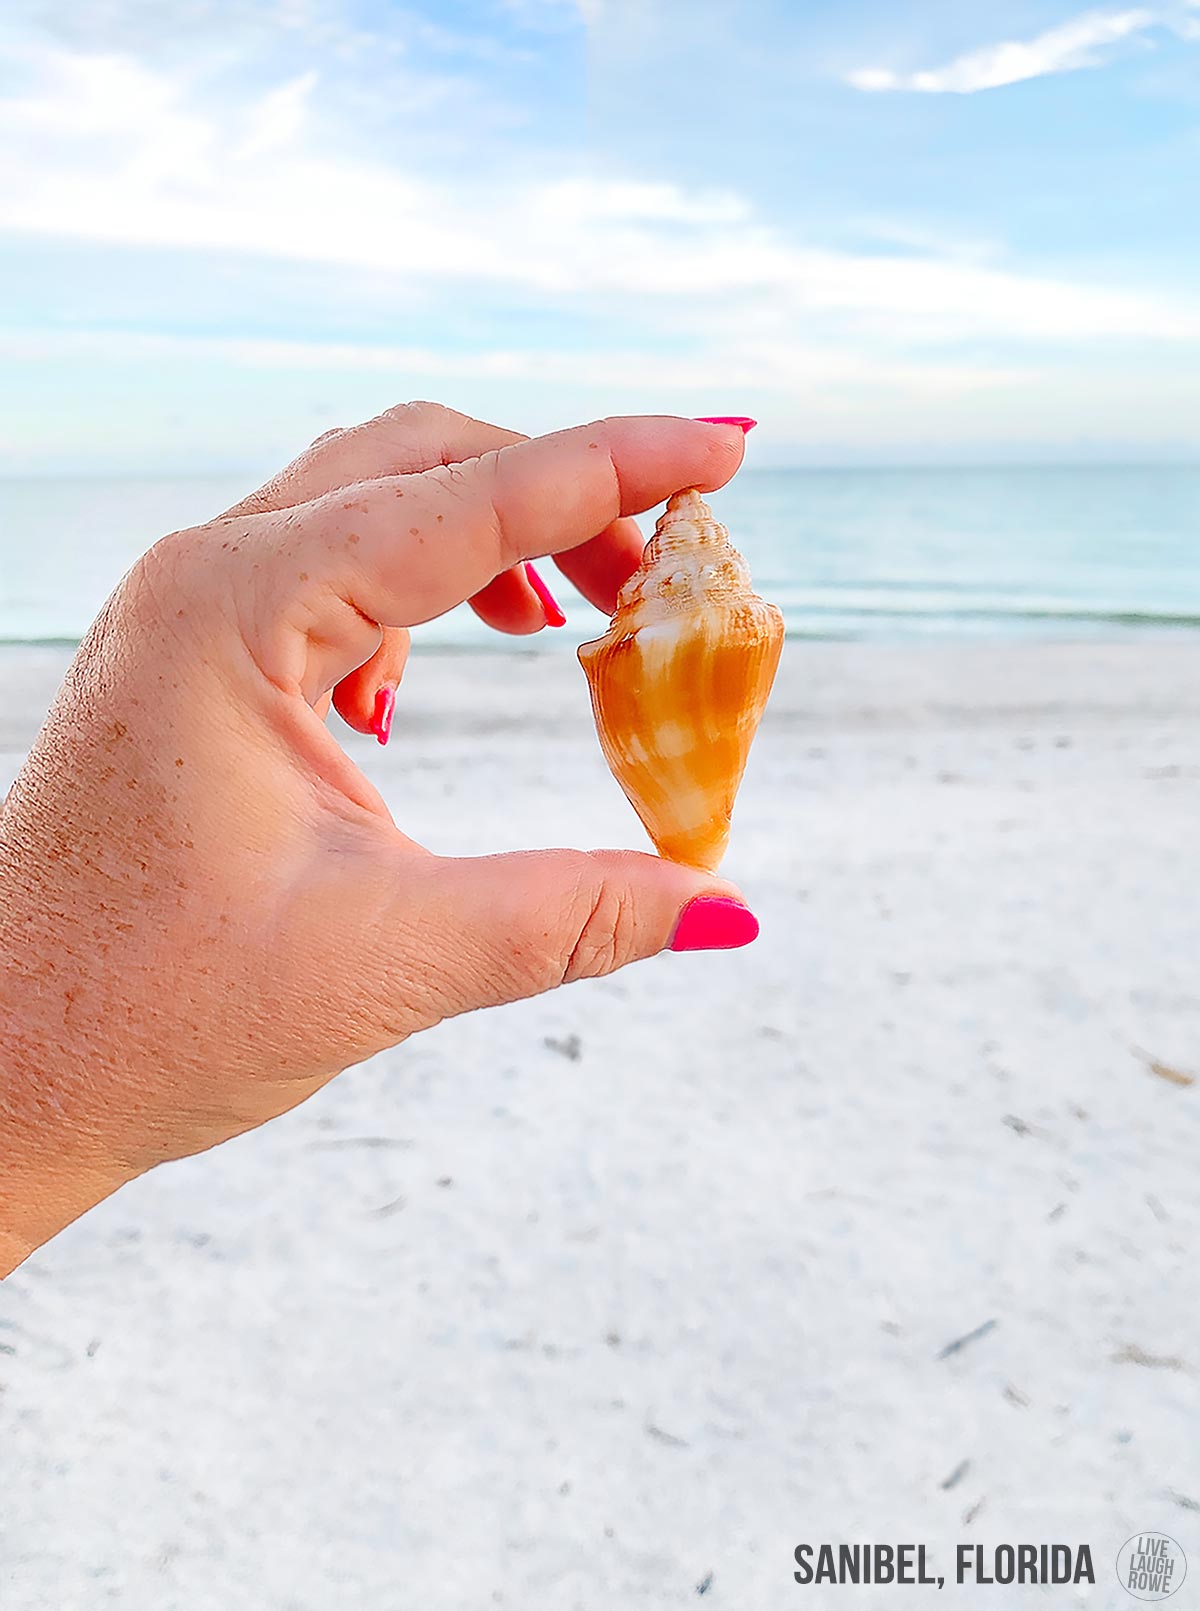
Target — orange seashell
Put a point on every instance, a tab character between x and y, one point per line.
680	680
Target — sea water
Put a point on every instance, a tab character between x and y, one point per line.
847	553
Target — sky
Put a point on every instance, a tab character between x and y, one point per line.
935	233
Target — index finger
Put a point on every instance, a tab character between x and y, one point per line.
411	437
403	549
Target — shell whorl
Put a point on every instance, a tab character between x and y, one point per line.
688	563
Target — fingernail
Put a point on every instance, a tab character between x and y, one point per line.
746	423
714	923
554	615
385	709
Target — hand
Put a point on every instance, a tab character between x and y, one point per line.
206	910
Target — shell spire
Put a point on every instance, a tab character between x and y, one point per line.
680	680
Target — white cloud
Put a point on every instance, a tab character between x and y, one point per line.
78	93
278	117
105	149
689	295
1083	41
784	367
579	200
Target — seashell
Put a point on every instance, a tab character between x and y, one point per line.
680	680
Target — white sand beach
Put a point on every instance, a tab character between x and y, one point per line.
610	1299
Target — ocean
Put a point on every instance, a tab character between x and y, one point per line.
847	553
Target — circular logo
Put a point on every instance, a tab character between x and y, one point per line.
1151	1566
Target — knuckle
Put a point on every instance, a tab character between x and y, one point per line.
426	433
424	415
448	478
160	600
163	568
281	491
604	928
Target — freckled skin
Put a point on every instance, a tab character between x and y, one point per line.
206	910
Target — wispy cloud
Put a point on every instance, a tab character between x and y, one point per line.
1084	41
793	366
134	160
207	231
278	117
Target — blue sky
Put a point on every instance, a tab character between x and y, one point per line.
931	233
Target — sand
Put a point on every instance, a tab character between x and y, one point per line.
612	1298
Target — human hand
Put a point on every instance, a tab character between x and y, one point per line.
206	910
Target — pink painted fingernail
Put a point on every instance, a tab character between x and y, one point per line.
385	709
743	420
714	923
554	615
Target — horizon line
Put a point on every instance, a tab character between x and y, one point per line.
817	467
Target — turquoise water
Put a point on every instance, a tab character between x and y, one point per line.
846	553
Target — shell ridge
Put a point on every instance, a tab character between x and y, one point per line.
680	680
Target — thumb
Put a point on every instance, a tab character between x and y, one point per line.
496	929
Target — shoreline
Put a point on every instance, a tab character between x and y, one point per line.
1024	674
1135	627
